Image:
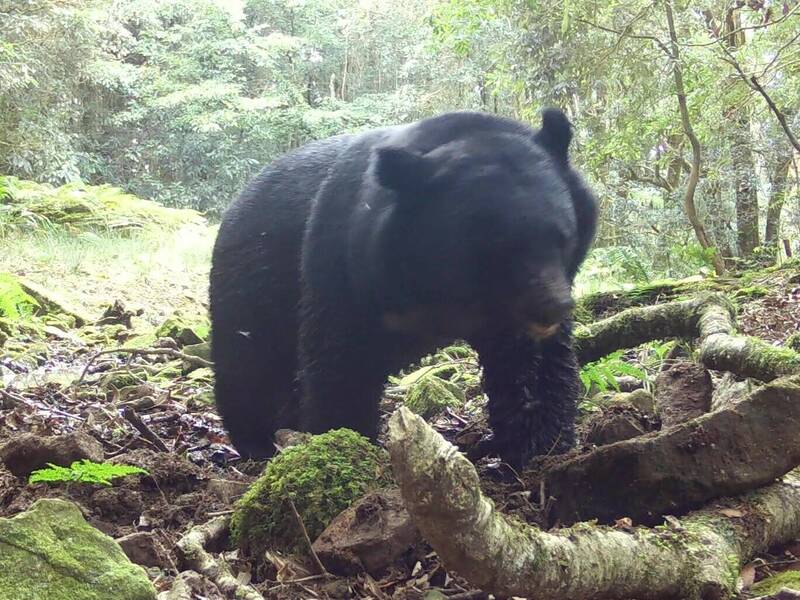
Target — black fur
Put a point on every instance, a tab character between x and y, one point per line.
349	258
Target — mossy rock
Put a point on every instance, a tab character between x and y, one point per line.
202	374
50	551
751	292
202	350
321	477
772	585
430	395
184	331
89	207
121	379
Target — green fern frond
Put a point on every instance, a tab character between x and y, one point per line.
84	471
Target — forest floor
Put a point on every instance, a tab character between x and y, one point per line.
194	474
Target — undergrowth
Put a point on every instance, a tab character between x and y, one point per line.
84	471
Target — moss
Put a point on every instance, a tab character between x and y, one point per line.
171	371
88	207
322	478
15	302
768	362
122	379
793	342
185	331
751	292
51	552
772	585
430	395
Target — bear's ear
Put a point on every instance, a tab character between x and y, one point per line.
403	170
555	134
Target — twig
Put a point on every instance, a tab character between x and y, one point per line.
134	419
322	570
195	360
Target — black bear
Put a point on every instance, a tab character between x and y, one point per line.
349	258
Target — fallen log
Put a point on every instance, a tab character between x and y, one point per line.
695	558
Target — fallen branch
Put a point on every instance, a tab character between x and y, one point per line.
698	557
191	549
147	433
193	360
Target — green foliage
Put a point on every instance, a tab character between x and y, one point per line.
84	471
14	301
430	391
321	477
602	375
86	208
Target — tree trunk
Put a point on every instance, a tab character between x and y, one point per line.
777	197
694	174
741	149
696	558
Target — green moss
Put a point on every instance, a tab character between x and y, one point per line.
430	394
185	331
87	207
751	292
321	477
51	552
122	379
793	342
772	585
15	303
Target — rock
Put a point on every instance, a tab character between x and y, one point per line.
181	330
627	383
144	548
683	392
51	552
52	302
643	401
27	452
368	536
202	350
610	426
117	314
728	390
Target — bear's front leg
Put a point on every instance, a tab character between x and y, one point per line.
342	376
533	388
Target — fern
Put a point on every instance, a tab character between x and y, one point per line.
84	471
603	373
14	302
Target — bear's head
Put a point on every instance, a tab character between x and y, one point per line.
490	226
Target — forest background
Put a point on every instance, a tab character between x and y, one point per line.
181	101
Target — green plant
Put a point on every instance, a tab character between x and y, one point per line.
14	301
320	478
602	375
84	471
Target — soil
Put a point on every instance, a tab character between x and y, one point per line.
199	476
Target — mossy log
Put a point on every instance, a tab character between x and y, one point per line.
696	558
708	317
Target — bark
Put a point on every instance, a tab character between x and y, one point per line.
748	444
698	557
193	554
694	175
741	149
708	317
777	197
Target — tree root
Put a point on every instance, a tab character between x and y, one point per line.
191	549
745	445
696	558
709	317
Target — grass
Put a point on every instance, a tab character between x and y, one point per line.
157	271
